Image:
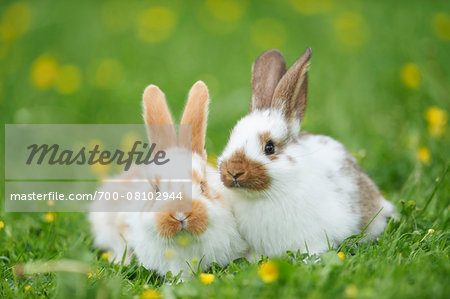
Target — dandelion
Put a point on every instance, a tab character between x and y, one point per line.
351	291
441	26
27	287
44	72
410	75
268	33
150	294
206	278
423	155
68	79
431	231
156	24
183	241
341	255
212	159
105	255
15	21
268	271
90	275
49	217
437	120
2	225
169	253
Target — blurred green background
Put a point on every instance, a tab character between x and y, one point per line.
377	66
379	82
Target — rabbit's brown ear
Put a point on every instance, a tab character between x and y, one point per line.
290	93
157	117
196	114
267	71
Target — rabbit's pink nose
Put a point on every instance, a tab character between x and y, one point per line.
182	218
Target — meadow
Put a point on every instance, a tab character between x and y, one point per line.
379	82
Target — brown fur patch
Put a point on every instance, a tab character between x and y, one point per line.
267	71
369	196
197	219
167	225
280	145
156	112
196	115
196	177
290	95
254	175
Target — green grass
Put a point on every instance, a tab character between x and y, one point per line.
356	95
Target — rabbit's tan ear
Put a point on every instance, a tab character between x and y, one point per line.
290	93
157	117
196	114
267	71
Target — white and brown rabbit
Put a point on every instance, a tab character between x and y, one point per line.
293	190
168	241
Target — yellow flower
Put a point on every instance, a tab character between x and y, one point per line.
410	75
341	255
15	21
431	231
183	241
90	275
206	278
351	29
310	7
423	154
437	120
150	294
156	24
105	255
268	33
44	72
268	271
351	291
69	79
169	253
2	224
49	217
441	26
212	159
27	287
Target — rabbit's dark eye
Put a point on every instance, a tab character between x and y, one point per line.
269	149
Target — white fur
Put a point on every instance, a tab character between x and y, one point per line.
309	204
220	243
